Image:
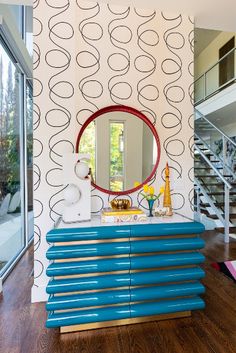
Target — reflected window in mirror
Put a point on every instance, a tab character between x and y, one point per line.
117	155
88	145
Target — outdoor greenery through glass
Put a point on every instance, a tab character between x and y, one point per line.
11	210
116	156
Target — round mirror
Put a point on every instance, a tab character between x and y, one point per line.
124	148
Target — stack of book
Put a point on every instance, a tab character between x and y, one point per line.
133	214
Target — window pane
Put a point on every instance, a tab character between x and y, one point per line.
29	162
17	12
116	156
29	29
11	212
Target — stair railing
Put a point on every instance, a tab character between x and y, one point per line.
227	186
207	84
225	167
227	142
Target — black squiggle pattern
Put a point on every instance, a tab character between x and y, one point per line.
37	177
59	89
92	53
37	116
146	91
175	74
191	118
120	35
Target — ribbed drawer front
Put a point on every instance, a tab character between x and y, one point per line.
173	244
120	248
123	312
166	306
124	279
164	260
122	272
88	250
88	316
164	276
167	229
88	283
90	233
124	263
88	299
125	295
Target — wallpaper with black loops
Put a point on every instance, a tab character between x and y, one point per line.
88	55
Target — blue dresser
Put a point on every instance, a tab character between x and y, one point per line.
107	275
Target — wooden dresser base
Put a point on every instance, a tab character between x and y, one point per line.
137	320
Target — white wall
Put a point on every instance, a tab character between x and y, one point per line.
206	59
88	56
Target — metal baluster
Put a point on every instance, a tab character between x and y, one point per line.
224	153
226	239
198	203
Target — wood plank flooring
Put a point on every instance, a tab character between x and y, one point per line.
212	330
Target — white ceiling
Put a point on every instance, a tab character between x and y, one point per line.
210	14
224	116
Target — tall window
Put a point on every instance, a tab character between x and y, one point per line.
11	211
16	116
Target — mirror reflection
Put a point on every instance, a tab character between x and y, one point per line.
123	150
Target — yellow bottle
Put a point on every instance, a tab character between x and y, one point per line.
167	197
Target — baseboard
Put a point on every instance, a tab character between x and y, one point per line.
38	294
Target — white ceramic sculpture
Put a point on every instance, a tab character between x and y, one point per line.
77	194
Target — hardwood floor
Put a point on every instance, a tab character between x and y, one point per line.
212	330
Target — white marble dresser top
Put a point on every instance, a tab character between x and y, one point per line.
96	222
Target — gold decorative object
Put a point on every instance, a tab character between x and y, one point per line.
167	196
120	204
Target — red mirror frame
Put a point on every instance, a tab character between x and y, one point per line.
126	109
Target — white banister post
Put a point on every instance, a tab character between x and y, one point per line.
198	203
226	239
224	152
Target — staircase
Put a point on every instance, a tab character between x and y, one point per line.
215	178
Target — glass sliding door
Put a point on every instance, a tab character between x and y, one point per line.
12	239
29	158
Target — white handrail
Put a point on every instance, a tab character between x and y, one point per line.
203	77
212	66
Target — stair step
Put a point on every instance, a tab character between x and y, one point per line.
207	168
123	312
219	204
219	193
215	217
212	175
123	280
232	215
212	216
